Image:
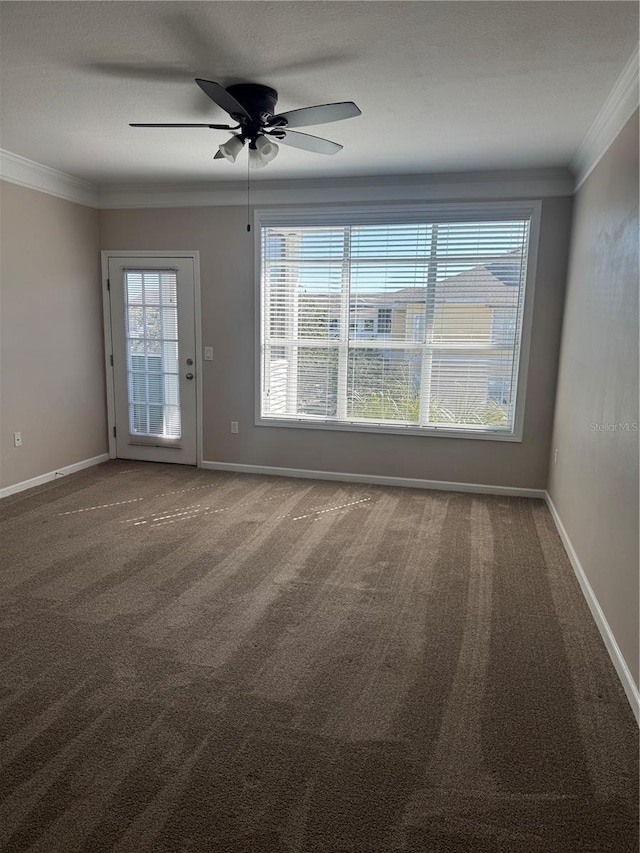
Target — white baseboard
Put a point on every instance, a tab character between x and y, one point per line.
374	479
624	673
52	475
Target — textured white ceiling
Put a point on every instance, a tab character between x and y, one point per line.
443	86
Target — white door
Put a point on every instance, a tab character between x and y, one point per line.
152	309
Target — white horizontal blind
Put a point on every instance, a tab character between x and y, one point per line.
408	324
151	333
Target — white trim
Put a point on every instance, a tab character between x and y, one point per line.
446	186
449	186
52	475
194	255
526	328
617	110
624	673
392	429
406	212
108	352
375	479
199	358
402	211
36	176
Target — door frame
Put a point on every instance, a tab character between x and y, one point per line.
105	256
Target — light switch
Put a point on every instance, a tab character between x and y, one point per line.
208	353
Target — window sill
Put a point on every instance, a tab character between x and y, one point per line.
389	429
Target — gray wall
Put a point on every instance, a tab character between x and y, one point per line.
227	279
594	483
52	356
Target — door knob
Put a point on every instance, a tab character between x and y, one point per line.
189	376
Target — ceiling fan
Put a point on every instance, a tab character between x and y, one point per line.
252	106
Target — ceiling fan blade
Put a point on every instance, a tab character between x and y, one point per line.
308	142
222	98
322	114
212	126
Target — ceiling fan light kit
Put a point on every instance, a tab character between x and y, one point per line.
252	106
255	160
231	148
261	152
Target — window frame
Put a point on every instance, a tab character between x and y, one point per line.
392	214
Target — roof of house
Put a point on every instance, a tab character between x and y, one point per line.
495	284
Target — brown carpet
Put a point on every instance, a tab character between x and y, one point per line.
200	661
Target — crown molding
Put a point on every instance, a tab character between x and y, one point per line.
458	186
450	186
617	110
27	173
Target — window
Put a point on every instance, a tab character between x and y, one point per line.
393	321
498	389
384	321
151	306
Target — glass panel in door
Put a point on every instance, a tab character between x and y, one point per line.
151	313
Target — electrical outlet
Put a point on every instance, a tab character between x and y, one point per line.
208	353
17	439
234	426
555	456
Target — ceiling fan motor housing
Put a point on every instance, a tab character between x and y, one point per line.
259	101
